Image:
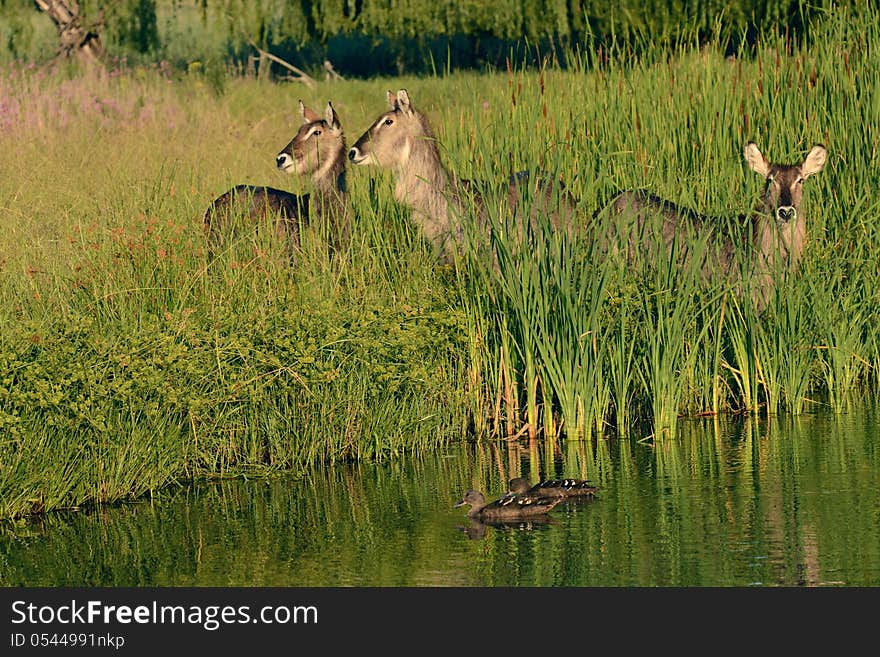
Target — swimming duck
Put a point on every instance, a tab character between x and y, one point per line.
507	507
552	488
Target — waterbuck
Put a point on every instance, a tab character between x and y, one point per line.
402	140
317	151
772	236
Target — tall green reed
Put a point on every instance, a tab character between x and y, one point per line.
675	121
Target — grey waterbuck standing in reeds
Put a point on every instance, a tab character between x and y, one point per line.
401	139
775	232
317	151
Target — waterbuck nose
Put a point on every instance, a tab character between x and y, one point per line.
786	213
282	160
353	153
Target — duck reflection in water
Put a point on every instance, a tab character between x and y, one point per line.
476	529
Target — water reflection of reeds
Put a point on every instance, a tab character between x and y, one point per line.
739	502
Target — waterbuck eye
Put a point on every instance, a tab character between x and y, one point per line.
316	133
389	121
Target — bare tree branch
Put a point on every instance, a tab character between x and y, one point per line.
330	72
75	38
299	74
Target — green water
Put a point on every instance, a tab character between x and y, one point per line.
790	501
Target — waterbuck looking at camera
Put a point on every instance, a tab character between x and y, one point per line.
774	237
401	139
317	151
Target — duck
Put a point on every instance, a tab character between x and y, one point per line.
509	507
551	488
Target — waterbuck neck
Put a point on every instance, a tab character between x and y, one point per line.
330	195
329	178
424	184
778	244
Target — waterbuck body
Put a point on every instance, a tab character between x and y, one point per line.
402	140
317	151
766	242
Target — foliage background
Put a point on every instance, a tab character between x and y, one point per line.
376	37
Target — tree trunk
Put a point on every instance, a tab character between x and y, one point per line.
75	38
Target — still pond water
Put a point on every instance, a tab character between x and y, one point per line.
790	501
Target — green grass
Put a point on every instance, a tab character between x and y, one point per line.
129	358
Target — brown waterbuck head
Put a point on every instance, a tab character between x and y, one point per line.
318	149
391	139
783	190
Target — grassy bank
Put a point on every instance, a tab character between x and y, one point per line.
130	358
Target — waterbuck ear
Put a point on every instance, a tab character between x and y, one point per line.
331	117
757	162
308	115
814	161
392	99
403	102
